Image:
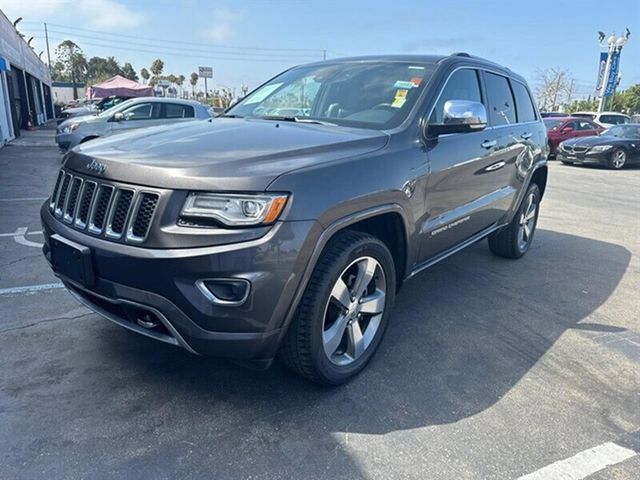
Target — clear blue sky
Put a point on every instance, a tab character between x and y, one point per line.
525	36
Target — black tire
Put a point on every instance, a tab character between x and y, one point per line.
507	241
303	349
86	139
618	159
564	162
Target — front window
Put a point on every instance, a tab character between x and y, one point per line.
376	95
623	131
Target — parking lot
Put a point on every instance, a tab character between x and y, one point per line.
491	369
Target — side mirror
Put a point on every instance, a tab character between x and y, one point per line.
460	116
118	117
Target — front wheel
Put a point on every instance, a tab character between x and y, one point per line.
344	310
564	162
618	159
514	240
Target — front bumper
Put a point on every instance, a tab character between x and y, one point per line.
599	158
132	282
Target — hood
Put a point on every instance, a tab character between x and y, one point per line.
78	119
594	140
221	154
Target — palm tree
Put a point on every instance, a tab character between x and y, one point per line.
179	81
144	73
194	81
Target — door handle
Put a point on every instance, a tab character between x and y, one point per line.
495	166
489	143
525	136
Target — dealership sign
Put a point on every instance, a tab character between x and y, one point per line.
205	72
614	69
601	68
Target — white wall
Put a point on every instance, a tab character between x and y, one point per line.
65	94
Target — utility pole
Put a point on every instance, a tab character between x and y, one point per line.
46	36
614	48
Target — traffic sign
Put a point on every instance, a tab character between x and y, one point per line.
205	72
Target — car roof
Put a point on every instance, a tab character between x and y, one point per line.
455	58
165	100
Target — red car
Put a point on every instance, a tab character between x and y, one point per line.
560	129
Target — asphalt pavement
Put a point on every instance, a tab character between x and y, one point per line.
490	369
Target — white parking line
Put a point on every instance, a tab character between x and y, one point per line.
30	289
25	199
583	464
20	237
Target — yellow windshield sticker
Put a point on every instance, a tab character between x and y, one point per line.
400	98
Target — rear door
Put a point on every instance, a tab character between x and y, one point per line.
460	198
177	112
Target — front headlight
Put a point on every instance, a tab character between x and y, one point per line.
71	128
235	209
600	148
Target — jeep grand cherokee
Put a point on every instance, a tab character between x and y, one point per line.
287	226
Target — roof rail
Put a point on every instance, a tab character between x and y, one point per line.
460	54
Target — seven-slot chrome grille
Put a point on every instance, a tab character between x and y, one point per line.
117	212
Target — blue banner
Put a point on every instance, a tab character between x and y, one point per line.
614	68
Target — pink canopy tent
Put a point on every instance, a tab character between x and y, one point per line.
119	85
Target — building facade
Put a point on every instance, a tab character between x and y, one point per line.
25	84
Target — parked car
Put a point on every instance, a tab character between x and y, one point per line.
91	107
604	119
133	113
554	114
559	129
257	234
615	148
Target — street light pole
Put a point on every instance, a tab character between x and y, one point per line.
614	47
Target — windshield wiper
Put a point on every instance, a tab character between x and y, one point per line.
230	116
284	118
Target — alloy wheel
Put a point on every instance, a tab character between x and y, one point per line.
527	222
353	313
619	158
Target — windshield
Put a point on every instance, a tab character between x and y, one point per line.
376	95
623	131
552	123
116	108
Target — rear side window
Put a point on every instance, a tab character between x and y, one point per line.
173	110
524	104
501	104
613	119
462	85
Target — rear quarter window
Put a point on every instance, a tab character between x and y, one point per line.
524	105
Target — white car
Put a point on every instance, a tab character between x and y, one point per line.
606	119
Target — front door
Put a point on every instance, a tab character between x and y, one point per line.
139	115
463	189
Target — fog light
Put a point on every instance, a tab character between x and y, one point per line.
225	291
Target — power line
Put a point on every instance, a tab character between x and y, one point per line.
205	49
73	29
168	53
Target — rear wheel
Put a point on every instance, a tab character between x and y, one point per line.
344	310
514	240
618	159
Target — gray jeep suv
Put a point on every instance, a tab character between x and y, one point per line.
287	226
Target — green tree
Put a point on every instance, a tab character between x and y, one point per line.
193	80
144	73
156	67
129	72
72	63
100	69
180	81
